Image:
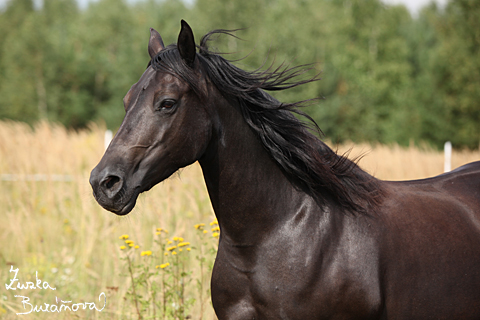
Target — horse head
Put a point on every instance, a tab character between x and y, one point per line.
165	128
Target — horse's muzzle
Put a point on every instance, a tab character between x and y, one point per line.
110	191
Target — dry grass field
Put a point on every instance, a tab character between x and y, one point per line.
53	230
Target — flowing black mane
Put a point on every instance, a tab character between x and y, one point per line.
305	159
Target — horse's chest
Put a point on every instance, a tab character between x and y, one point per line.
292	288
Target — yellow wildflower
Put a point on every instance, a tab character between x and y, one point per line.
199	226
131	244
189	249
128	241
166	253
180	249
171	248
215	229
180	239
175	238
158	233
164	265
174	253
160	230
123	247
214	222
137	246
169	242
215	234
205	231
124	237
146	253
183	244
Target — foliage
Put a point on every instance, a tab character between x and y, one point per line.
387	76
457	69
161	280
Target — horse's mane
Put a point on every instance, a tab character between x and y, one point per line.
306	160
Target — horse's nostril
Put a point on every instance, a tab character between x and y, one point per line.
111	181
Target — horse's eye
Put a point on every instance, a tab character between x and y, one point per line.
167	104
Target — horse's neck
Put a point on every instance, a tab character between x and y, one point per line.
248	191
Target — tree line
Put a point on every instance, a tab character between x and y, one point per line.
386	76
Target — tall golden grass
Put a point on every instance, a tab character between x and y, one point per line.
57	230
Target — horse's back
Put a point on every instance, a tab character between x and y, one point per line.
431	242
463	183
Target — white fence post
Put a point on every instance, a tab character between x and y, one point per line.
448	156
108	138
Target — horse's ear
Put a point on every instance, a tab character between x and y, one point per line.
155	44
186	44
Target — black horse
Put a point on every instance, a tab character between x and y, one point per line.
306	234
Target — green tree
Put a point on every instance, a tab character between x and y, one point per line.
36	63
457	70
385	75
12	20
366	65
426	104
